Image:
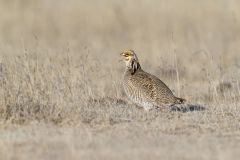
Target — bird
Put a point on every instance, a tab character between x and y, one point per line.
143	88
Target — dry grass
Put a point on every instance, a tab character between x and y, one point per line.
60	80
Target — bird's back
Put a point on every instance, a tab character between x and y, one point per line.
144	88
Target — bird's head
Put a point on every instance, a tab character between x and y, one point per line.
131	60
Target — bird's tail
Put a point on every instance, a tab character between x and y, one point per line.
180	100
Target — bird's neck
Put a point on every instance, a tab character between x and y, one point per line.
133	66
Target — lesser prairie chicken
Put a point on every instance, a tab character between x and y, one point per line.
144	89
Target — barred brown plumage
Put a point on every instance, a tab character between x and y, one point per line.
143	88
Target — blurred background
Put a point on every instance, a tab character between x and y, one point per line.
108	26
60	79
198	39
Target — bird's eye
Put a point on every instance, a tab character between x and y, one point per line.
126	55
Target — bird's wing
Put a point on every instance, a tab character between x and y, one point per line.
161	87
151	86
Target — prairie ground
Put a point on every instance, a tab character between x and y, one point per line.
60	79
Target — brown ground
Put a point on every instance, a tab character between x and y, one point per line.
60	79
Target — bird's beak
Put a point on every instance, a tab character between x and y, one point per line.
121	54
